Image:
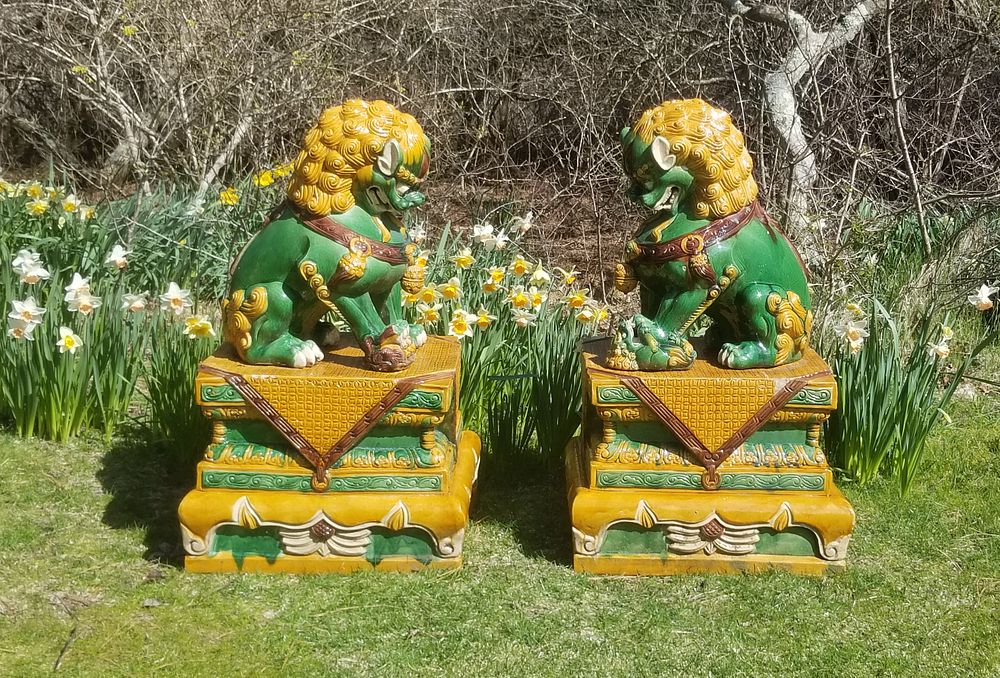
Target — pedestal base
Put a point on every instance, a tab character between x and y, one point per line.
647	531
340	532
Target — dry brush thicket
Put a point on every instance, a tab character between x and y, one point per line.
522	99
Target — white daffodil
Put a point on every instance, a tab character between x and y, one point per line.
939	350
540	276
567	277
500	241
855	310
853	331
77	285
28	266
428	313
461	323
70	204
522	318
198	326
981	299
68	340
135	303
421	259
20	329
464	258
117	258
586	314
83	303
484	319
451	289
175	299
409	298
417	234
482	232
27	311
947	334
523	224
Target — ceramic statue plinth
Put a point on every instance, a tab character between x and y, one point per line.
705	470
331	468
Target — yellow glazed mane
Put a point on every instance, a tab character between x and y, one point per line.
704	140
343	146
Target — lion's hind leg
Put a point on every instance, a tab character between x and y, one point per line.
755	328
257	323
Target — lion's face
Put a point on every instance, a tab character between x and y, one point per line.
392	186
658	182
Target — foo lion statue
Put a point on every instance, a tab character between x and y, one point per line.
708	248
338	243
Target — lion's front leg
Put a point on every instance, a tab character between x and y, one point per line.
390	304
386	348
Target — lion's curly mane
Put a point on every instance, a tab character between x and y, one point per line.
704	140
342	146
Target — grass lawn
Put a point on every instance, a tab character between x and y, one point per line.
89	585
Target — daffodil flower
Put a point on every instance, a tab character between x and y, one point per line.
939	350
518	266
420	261
28	266
417	234
37	207
77	285
464	258
461	324
21	329
577	299
567	277
484	319
264	178
27	311
428	313
175	299
68	341
947	333
499	242
489	286
117	258
410	298
70	204
540	276
482	232
981	299
83	303
522	319
135	303
854	310
586	314
536	296
229	197
429	294
87	213
523	224
518	297
451	289
854	331
34	190
198	326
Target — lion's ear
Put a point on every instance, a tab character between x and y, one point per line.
660	149
391	156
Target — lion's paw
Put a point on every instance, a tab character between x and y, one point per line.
307	355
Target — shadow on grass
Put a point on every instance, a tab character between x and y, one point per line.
146	482
525	493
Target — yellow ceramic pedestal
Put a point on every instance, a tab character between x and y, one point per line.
644	500
332	468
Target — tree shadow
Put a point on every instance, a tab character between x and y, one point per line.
146	481
526	495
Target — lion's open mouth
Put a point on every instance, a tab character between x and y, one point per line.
668	200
